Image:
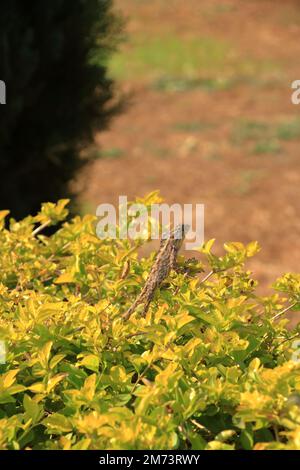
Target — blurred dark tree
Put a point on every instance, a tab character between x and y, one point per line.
53	59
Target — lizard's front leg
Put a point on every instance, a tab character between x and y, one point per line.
173	260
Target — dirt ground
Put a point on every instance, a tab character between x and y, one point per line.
233	147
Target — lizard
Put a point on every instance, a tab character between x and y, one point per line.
165	261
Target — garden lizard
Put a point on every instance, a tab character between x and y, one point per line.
164	262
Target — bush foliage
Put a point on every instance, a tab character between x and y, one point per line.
212	366
53	59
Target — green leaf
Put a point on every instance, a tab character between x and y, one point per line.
246	439
32	409
57	424
91	362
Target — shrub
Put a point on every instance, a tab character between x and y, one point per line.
53	59
212	366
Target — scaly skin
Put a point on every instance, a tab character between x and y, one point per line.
165	261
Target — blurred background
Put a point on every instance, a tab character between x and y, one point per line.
191	97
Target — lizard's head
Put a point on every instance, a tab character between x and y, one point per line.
179	233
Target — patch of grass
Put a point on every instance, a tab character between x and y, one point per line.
289	130
265	137
268	146
262	135
246	178
175	63
178	84
113	152
249	130
95	153
192	126
169	55
182	84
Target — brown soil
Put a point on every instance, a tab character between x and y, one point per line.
246	196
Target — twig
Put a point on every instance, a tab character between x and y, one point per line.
201	427
287	339
41	227
140	377
207	277
139	333
284	311
210	274
275	428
